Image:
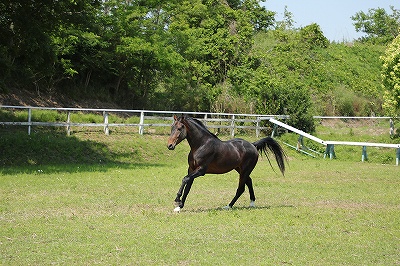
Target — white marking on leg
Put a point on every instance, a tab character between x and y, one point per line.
177	209
227	207
252	203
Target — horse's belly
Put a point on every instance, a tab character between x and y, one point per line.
222	167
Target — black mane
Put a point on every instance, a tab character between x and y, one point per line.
201	125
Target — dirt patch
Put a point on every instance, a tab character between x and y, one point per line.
349	123
370	126
29	98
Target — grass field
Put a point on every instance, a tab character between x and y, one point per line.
90	199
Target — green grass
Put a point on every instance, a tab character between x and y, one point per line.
119	211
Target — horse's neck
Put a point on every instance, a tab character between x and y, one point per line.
197	136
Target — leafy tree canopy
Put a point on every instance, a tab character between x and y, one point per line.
379	26
199	55
391	77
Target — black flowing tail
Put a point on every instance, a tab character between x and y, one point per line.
276	149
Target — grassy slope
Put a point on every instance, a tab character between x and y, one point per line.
343	79
119	211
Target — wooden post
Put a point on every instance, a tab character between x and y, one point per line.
330	150
397	156
300	143
257	126
364	156
106	130
29	120
233	126
68	124
275	128
141	127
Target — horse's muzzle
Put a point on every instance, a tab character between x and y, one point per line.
171	147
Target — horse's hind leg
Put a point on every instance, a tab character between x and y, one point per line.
244	180
241	188
249	184
239	191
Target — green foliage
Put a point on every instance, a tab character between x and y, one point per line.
379	26
29	58
288	75
190	55
326	74
313	37
391	77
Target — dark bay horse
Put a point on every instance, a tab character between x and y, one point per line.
209	155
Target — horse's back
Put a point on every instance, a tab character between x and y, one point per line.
246	150
243	145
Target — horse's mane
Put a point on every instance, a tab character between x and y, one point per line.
201	125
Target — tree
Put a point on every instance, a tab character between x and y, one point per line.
287	23
28	56
379	26
213	37
313	37
391	77
261	18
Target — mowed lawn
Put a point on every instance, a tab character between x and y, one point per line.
321	212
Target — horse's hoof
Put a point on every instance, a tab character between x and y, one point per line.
252	204
177	209
227	207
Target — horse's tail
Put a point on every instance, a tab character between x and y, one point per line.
265	144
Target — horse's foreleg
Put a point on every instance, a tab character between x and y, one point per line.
186	192
187	182
180	191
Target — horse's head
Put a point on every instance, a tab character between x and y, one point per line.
178	132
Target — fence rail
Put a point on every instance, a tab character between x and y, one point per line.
330	144
232	121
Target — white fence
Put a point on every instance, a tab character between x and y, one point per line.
330	144
224	121
146	118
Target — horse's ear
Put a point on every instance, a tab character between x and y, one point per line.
179	118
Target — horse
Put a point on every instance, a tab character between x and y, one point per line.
209	155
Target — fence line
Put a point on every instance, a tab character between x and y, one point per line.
231	119
330	151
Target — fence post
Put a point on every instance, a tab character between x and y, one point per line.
330	150
205	119
258	126
141	127
275	128
397	156
300	143
29	120
233	126
106	130
68	124
364	156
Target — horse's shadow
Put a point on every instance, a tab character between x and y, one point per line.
241	208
